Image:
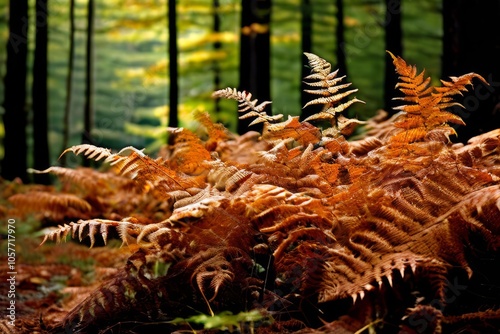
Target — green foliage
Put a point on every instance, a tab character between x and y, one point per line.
224	320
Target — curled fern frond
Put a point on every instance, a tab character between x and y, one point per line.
248	106
327	85
90	151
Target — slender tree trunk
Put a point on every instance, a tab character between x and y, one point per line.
217	46
393	43
88	112
14	162
40	93
340	34
451	47
471	43
306	45
69	81
255	52
173	120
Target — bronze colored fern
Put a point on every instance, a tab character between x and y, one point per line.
324	234
426	111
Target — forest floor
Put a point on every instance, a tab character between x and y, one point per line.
52	279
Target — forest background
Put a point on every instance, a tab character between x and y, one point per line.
121	75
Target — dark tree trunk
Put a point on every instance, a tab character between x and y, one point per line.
450	54
14	162
471	43
217	46
69	81
306	41
88	112
255	54
394	44
173	120
40	93
340	32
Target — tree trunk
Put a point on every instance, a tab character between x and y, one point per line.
88	112
306	44
393	43
14	162
69	81
217	46
341	59
471	43
40	93
173	120
450	54
255	53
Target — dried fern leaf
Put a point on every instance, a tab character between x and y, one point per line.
248	106
330	113
90	151
427	105
329	82
217	133
409	136
332	94
318	64
84	178
347	126
237	179
45	201
128	229
331	99
457	85
147	171
329	89
291	129
220	173
199	196
188	153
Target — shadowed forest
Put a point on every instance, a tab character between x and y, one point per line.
293	166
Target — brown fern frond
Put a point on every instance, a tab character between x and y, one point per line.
148	172
248	106
364	146
37	201
197	197
128	230
85	178
457	85
331	99
224	176
375	230
302	132
217	133
331	94
133	163
426	108
188	153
